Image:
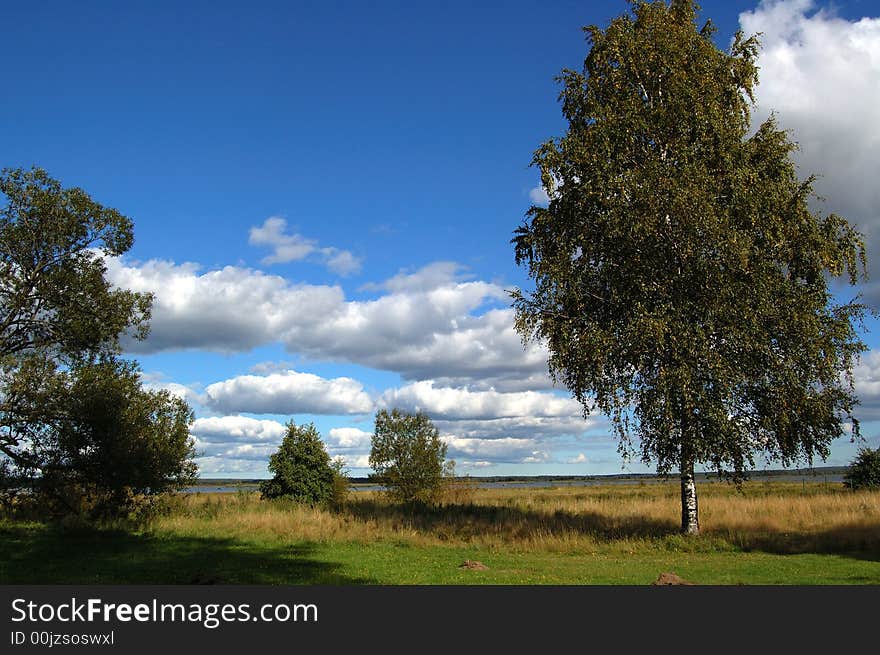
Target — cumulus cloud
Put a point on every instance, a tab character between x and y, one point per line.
288	393
508	450
239	429
295	247
448	403
866	375
429	324
355	461
236	445
520	426
285	247
431	276
228	310
343	438
821	75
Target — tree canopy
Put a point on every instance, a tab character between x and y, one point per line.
681	277
408	456
864	471
301	468
76	425
54	297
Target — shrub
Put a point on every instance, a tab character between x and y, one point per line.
864	470
339	492
407	456
302	468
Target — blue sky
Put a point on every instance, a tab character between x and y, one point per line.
324	193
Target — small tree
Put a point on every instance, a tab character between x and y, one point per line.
864	471
408	456
303	470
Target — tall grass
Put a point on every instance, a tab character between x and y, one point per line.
774	517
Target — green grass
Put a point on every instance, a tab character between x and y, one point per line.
601	536
36	554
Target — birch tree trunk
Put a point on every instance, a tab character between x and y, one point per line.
690	523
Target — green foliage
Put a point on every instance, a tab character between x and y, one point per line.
680	275
407	456
53	293
864	471
109	445
341	484
302	468
78	432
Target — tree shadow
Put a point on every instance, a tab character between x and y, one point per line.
512	523
856	542
40	554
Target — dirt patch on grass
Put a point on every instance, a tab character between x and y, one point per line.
473	565
667	579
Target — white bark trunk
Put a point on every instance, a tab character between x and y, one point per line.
690	523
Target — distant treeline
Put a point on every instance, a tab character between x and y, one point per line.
818	471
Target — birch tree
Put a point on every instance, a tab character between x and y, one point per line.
681	276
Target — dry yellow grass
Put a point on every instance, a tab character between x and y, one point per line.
778	517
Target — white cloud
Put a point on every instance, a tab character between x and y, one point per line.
343	438
520	426
448	403
508	450
471	464
288	393
229	310
342	262
239	429
431	324
821	74
295	247
356	461
237	445
433	276
539	196
218	465
580	459
866	376
285	247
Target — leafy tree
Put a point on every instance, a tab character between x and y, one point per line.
96	440
408	456
864	471
680	274
54	297
76	426
302	468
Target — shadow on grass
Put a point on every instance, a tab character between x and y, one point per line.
509	523
40	554
857	542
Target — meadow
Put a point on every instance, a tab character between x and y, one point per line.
765	533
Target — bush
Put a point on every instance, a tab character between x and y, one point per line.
303	470
864	471
111	448
407	456
339	493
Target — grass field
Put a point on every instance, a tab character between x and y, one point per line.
767	533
